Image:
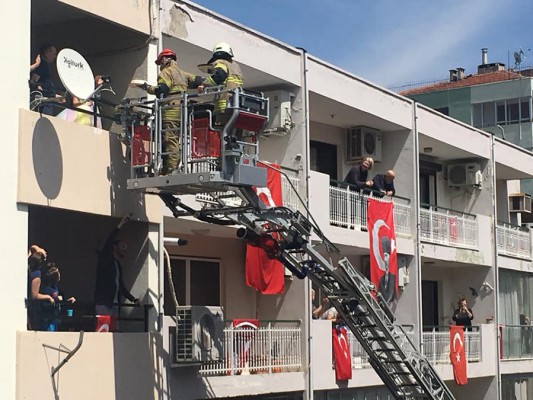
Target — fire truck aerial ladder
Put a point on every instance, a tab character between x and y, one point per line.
222	161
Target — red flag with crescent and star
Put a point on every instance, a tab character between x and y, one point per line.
264	274
457	354
383	260
341	354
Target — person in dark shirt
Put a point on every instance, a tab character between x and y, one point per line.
41	78
110	288
384	183
463	315
358	175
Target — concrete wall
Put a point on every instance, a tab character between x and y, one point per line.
15	23
457	101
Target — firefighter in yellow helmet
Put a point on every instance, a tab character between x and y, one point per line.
226	73
171	81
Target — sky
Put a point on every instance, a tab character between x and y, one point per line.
393	42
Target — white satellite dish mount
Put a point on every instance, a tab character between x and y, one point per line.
75	74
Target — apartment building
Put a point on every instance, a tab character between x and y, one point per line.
65	189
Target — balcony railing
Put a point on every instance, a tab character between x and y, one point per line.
436	344
274	347
347	209
516	342
513	241
448	227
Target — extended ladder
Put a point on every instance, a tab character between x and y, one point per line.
285	234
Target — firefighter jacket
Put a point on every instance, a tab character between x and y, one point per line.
171	82
234	79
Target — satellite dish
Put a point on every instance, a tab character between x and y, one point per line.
75	73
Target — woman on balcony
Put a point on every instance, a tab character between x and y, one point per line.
358	175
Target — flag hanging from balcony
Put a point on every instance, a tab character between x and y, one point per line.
383	261
264	274
457	354
341	354
243	336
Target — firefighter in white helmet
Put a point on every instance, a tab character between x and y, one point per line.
226	73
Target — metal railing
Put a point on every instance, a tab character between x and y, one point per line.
436	344
360	356
513	241
516	342
448	227
347	208
290	198
274	347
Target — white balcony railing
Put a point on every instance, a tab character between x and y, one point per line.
274	347
448	227
436	345
513	241
347	209
517	342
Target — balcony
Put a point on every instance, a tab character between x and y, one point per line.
348	209
448	227
274	347
513	241
436	345
516	342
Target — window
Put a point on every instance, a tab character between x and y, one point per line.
500	112
525	110
488	114
443	110
196	282
513	113
477	116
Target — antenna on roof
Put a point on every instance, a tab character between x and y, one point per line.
519	58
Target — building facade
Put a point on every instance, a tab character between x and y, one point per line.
65	189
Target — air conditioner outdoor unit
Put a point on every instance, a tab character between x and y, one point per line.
199	334
465	174
520	202
363	141
280	112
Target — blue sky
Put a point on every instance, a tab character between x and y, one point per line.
393	42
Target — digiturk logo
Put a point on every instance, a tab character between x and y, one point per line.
72	63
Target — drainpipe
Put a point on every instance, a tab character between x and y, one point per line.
417	224
308	392
496	272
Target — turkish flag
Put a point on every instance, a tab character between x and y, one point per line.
243	336
383	259
264	274
457	354
341	354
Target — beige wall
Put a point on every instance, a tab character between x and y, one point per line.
76	167
13	247
135	14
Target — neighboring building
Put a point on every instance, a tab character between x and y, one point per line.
495	99
64	188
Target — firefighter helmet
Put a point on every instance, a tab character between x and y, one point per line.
222	47
165	53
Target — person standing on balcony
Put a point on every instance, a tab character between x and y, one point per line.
358	174
41	75
36	259
463	315
226	73
384	183
171	82
110	288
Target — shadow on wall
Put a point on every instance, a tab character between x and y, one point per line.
47	158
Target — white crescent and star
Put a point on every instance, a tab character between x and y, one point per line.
457	338
375	244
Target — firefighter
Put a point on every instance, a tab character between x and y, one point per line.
171	82
226	73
